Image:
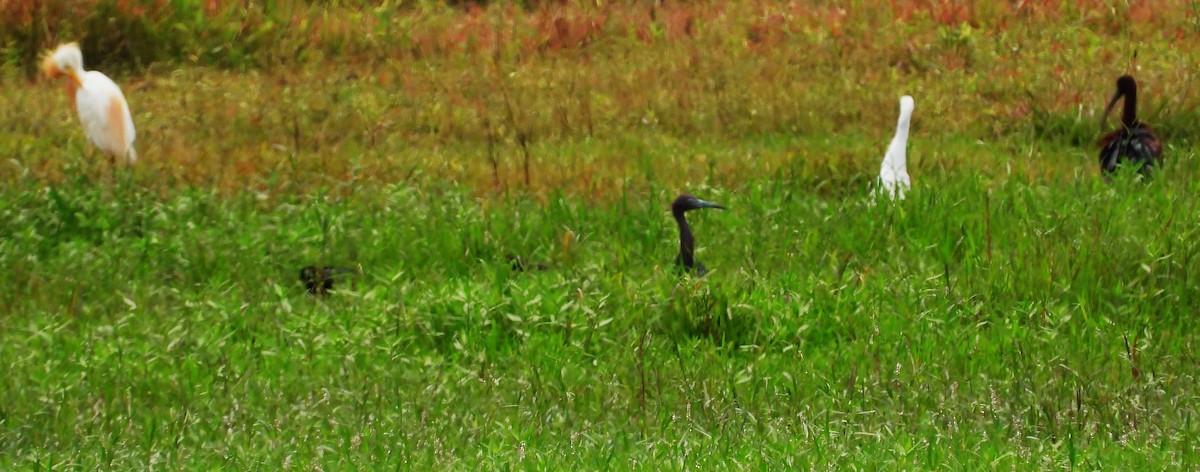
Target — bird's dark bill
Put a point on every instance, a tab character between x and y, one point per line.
704	204
1111	104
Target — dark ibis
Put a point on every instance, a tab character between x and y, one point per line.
686	260
893	174
1135	143
319	280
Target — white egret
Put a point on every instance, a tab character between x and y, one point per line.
102	109
893	174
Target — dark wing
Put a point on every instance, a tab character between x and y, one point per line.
319	280
1138	145
1111	148
1146	143
311	277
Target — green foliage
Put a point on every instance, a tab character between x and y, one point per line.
1016	310
973	321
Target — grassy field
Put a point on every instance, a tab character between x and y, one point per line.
1017	311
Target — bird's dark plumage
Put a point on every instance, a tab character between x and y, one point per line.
319	280
686	259
520	264
1134	143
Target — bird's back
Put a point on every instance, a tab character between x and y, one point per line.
1137	145
893	174
696	268
105	115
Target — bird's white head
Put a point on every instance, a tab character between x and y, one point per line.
66	60
906	106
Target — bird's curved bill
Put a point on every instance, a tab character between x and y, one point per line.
50	68
704	204
1111	103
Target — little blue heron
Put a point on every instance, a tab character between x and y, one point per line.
686	259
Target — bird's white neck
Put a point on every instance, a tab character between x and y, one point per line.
895	157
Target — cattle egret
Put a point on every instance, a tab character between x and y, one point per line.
102	109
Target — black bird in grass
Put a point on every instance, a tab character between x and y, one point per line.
319	280
1134	143
686	260
520	264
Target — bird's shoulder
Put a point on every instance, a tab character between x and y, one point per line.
1145	137
1112	138
97	82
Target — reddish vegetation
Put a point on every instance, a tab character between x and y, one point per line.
499	85
553	27
569	26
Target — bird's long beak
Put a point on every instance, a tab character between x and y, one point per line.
50	68
1111	103
704	204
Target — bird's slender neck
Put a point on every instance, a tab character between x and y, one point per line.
1129	113
687	242
902	125
72	89
895	156
901	139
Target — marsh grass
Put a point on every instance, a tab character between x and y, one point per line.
1016	311
593	100
1011	323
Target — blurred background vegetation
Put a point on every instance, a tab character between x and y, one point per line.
500	92
1017	309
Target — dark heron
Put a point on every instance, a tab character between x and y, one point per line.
1135	142
686	260
319	280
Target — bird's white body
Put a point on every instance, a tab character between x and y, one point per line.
893	174
102	108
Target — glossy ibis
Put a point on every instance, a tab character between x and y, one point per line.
319	280
1135	142
100	104
893	174
686	260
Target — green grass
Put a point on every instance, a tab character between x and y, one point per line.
977	323
1015	312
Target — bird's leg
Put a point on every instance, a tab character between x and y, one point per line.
88	165
112	168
